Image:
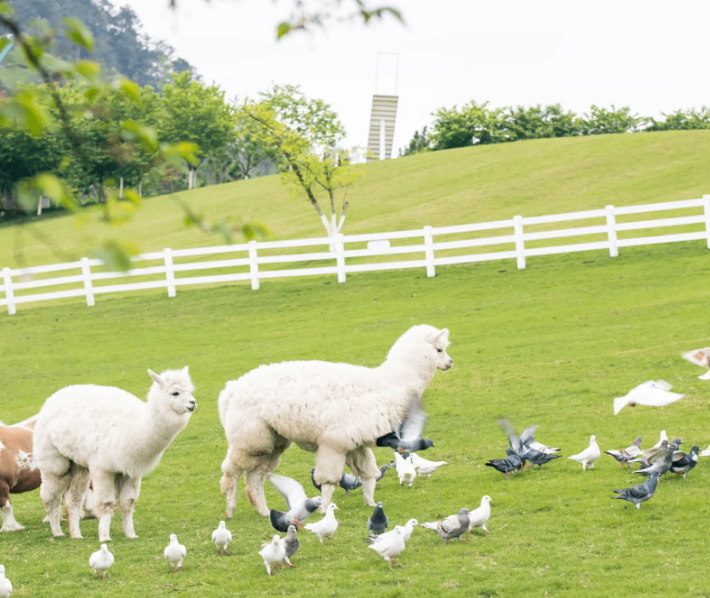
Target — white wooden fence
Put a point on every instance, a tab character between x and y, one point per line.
82	284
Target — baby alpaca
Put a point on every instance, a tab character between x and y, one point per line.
106	435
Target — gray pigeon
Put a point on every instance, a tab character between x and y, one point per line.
519	445
451	527
383	470
505	466
407	434
662	461
348	482
378	522
290	544
685	463
640	493
623	456
299	505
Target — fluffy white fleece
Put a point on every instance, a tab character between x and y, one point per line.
336	410
107	435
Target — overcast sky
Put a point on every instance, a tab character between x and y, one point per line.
651	55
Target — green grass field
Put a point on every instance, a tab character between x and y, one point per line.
551	345
468	185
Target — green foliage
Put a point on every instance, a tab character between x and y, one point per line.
196	113
418	144
682	120
551	345
112	35
477	124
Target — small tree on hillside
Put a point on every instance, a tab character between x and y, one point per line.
305	133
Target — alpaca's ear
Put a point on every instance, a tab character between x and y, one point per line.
443	336
186	370
158	380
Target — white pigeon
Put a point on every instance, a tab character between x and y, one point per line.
424	466
654	393
326	527
405	469
5	585
589	455
222	537
705	453
478	517
175	552
390	545
663	437
700	357
272	553
406	532
101	560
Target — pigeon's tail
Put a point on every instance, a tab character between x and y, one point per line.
619	404
619	497
705	376
576	458
431	525
390	440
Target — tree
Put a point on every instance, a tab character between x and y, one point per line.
196	113
680	120
418	144
474	124
601	121
540	122
306	134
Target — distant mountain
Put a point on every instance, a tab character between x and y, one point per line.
121	45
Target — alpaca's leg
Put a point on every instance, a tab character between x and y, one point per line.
330	464
104	483
8	519
75	498
130	489
229	482
254	482
364	465
51	492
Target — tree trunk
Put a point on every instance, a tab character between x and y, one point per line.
140	187
120	189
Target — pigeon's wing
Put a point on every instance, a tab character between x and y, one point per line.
165	552
229	535
678	455
527	436
513	438
93	558
183	551
450	524
656	396
620	403
414	419
656	457
698	357
705	376
214	533
637	491
289	488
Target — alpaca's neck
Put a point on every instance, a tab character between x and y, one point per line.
153	434
412	373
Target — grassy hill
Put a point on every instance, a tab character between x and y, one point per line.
551	345
441	188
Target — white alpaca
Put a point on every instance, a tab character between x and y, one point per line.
107	435
336	410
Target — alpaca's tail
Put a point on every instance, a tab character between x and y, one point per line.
223	403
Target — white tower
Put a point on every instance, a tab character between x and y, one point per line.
384	107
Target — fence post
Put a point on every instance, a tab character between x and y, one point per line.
340	257
88	287
169	272
706	199
253	266
519	241
429	252
7	279
611	231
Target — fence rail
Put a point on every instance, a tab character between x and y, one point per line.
252	253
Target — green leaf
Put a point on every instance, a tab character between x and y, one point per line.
144	134
88	69
4	41
116	255
132	91
6	10
185	150
24	110
132	196
283	29
79	33
252	230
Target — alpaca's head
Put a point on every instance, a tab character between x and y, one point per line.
174	388
423	344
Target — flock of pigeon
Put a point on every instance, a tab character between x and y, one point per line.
654	462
